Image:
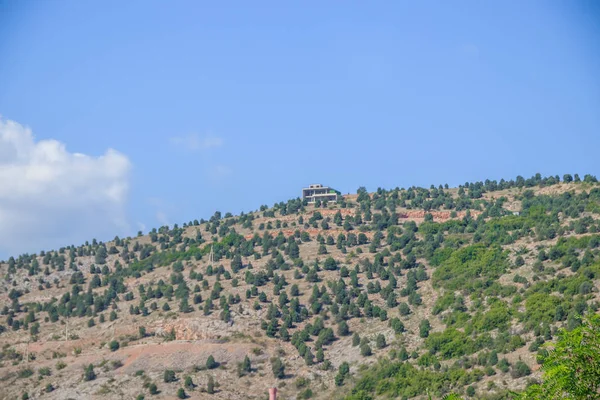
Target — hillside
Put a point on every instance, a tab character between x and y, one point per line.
396	293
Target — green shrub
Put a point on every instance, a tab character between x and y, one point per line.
520	369
278	368
114	345
169	376
88	373
153	389
211	363
467	267
365	350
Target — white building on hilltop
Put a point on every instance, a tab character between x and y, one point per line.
319	192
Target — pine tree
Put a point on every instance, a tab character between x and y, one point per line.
88	373
424	328
210	387
169	376
211	363
278	368
245	367
153	389
309	357
189	383
320	355
380	341
343	329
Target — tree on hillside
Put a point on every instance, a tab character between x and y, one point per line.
365	350
380	341
153	389
114	345
322	249
88	373
337	218
424	328
169	376
330	264
343	329
278	368
100	257
294	250
236	264
572	368
189	383
244	367
211	363
210	386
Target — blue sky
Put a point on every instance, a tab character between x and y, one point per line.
230	105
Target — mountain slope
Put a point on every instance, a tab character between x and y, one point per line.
456	288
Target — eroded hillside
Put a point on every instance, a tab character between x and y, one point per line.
397	293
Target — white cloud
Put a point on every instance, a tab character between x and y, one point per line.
194	142
161	208
51	198
141	226
217	172
162	218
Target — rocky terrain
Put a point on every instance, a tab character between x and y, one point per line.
457	288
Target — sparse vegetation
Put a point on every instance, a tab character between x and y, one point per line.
169	376
210	386
278	368
153	389
433	280
88	373
211	363
114	345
